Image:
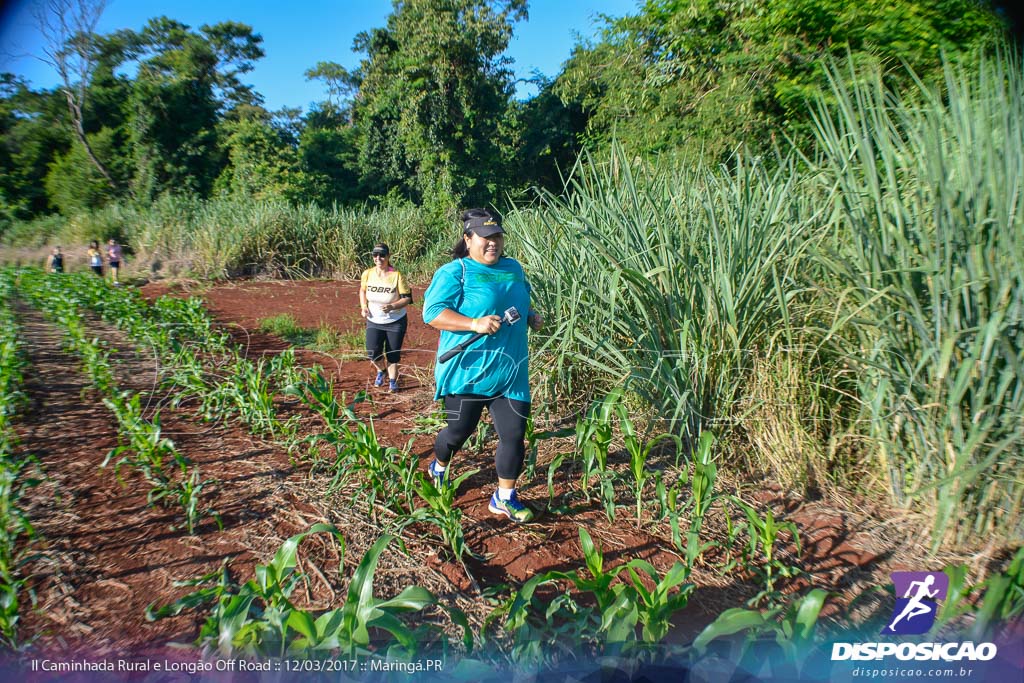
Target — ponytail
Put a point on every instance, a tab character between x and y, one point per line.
459	249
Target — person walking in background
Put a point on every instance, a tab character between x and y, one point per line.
467	298
95	258
114	259
55	261
383	296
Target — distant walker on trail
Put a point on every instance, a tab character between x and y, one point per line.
95	258
55	261
114	259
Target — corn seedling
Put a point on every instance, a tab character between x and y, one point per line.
188	494
15	527
252	618
404	467
374	461
430	423
781	636
258	618
702	484
483	432
607	481
639	452
441	511
533	439
144	439
764	534
594	435
620	606
553	466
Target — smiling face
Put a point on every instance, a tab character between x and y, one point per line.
485	250
381	261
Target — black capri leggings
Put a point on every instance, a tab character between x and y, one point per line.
390	336
463	414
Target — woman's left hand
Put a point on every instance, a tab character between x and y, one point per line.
535	321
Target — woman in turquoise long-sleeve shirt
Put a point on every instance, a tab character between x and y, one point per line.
469	296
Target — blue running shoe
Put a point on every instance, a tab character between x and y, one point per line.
438	475
393	386
511	508
379	382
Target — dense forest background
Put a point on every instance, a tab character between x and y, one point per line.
428	122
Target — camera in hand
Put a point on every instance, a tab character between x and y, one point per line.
510	317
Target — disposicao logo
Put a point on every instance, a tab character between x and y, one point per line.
917	601
918	595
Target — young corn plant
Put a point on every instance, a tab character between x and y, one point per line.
259	617
404	468
784	634
533	437
316	391
15	527
639	452
283	372
430	423
594	436
253	618
620	607
187	378
254	398
188	494
764	534
607	481
144	439
483	432
441	511
702	484
375	462
553	466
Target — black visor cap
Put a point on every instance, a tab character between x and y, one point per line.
484	226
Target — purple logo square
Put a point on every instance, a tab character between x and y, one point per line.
917	601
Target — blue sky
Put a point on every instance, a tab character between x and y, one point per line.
297	35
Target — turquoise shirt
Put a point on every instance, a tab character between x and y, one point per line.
495	365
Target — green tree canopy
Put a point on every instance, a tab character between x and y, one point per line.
714	74
434	92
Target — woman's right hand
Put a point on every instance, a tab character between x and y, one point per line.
489	324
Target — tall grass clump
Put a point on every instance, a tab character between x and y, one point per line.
928	285
674	281
236	236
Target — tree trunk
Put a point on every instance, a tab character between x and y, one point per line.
76	124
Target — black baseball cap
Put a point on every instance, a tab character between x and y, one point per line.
485	226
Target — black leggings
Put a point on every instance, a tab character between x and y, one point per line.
392	333
463	413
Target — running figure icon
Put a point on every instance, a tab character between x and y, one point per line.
915	607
